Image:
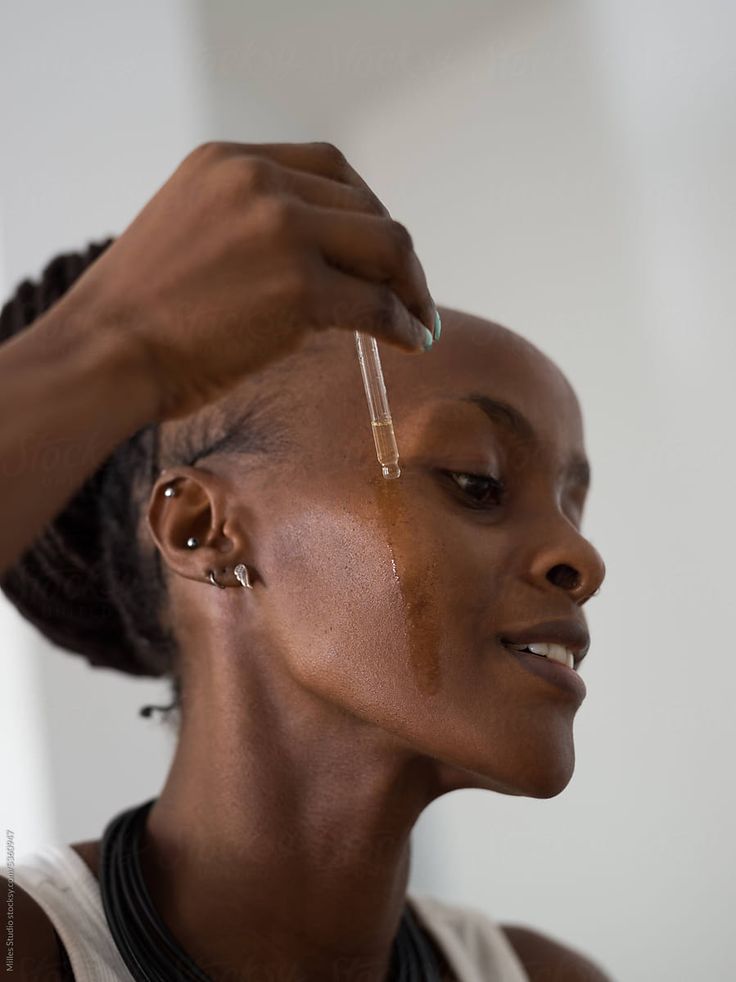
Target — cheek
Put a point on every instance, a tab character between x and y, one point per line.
363	600
337	607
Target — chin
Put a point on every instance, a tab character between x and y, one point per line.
544	777
549	788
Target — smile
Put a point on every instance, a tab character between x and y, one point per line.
555	652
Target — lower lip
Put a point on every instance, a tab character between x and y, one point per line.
562	676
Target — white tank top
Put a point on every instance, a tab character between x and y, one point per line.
59	880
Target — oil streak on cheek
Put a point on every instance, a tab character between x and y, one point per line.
416	579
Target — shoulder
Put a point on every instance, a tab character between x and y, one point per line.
35	954
548	960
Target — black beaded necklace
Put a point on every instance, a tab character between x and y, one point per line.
150	951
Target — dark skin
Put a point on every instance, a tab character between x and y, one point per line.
326	708
314	731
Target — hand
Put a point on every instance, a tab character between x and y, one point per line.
241	253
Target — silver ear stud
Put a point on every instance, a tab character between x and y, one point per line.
169	491
241	574
192	543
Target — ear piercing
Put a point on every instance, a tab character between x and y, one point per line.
241	574
240	571
214	582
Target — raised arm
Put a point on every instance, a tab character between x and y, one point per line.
70	392
245	250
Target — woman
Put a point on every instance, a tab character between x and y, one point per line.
339	644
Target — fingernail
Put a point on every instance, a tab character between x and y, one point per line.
437	324
428	339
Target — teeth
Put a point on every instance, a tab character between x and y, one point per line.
555	652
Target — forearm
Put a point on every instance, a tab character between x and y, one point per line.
69	394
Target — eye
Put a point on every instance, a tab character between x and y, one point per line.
483	490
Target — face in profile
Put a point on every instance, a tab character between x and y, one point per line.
381	603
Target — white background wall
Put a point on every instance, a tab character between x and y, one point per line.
566	169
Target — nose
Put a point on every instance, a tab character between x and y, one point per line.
573	564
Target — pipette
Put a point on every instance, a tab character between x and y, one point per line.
375	392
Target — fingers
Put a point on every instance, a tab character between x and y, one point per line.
344	220
351	226
321	159
351	303
324	192
376	248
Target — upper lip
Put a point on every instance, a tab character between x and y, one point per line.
570	633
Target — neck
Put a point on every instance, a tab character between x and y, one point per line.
283	838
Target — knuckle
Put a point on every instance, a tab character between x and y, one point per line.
368	202
235	180
277	215
331	152
300	284
403	242
208	151
381	209
385	308
254	173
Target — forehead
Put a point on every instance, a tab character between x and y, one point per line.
318	391
483	358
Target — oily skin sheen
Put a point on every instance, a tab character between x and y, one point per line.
361	678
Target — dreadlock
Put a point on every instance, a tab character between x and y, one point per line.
92	581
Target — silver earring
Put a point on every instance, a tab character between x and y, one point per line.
241	573
169	491
192	543
214	582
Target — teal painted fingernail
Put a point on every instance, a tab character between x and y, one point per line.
428	339
437	324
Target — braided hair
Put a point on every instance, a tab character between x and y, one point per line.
92	581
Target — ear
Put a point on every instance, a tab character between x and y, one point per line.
201	508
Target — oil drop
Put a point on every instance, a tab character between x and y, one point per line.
414	581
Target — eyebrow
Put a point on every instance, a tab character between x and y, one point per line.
516	423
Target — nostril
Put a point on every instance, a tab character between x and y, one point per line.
565	577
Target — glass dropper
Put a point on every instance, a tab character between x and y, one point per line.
375	392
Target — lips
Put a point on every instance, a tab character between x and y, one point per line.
571	633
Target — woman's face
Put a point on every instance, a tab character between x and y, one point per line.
387	598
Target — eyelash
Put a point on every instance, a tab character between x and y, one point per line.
497	486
